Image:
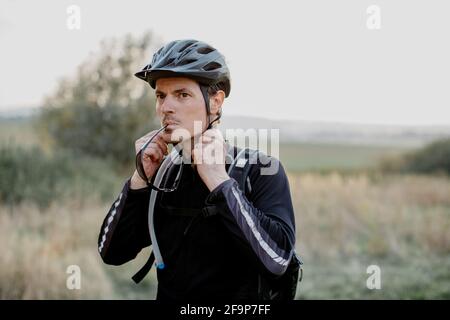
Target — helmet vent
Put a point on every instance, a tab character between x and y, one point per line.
212	66
205	50
187	61
170	61
185	46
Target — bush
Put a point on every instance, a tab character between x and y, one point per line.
434	157
103	109
29	175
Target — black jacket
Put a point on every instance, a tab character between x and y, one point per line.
207	258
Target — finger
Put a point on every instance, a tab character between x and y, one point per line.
160	153
161	145
153	153
142	141
207	139
150	134
155	140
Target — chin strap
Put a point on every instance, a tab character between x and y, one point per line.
204	90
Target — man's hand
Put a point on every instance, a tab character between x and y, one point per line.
152	157
209	156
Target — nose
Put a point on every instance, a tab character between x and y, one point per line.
166	106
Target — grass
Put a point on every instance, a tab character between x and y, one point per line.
41	246
345	222
400	279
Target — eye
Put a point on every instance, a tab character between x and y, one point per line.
183	94
159	96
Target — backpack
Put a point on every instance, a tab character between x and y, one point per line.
283	287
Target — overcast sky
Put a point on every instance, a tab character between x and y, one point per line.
311	60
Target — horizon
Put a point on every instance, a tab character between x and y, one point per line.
24	112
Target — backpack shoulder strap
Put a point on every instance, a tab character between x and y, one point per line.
240	168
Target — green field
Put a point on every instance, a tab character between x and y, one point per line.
325	157
297	157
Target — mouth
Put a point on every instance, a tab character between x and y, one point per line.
169	123
169	127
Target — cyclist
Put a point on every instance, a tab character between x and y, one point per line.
237	251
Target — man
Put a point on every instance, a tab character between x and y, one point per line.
246	247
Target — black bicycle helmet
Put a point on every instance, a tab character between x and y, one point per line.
192	59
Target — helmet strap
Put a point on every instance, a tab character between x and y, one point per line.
204	90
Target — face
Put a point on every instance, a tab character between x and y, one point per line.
179	103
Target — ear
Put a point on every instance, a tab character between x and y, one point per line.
215	102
